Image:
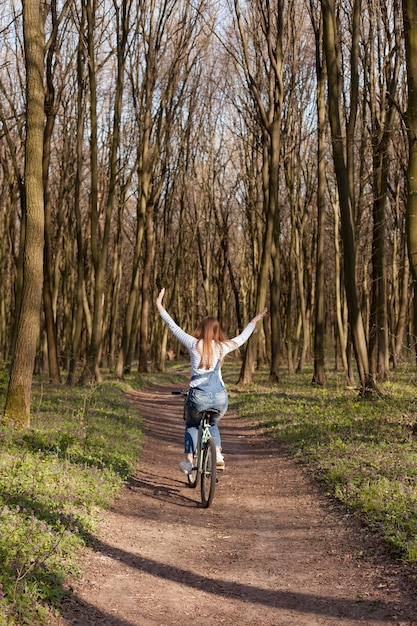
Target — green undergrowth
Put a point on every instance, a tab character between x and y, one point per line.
364	449
55	478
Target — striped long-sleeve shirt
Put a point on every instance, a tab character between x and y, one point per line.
190	343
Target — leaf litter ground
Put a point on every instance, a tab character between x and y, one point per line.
272	550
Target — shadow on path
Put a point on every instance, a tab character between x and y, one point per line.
289	600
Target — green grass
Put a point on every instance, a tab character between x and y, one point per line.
364	449
55	478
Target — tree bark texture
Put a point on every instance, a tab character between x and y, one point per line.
410	31
319	373
18	397
50	114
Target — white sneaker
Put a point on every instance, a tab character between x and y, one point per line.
219	461
186	467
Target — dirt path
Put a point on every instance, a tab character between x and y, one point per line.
270	551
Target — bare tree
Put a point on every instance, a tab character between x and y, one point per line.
19	391
266	24
384	76
340	157
319	374
50	115
74	345
410	31
101	223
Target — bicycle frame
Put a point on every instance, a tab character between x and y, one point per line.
203	436
204	464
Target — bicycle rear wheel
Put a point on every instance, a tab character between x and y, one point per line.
192	478
208	474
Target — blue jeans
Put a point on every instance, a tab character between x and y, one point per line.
216	402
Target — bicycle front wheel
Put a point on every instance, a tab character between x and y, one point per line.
208	474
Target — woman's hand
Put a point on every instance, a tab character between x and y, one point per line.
159	299
260	316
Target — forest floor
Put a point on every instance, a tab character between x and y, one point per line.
272	550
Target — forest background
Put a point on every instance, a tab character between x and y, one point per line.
237	153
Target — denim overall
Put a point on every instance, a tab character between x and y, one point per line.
209	395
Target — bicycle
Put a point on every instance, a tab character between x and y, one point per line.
204	463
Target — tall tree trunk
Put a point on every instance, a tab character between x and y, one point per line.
146	280
270	121
91	369
319	373
383	111
18	258
80	279
124	360
378	320
410	31
403	309
50	111
339	307
271	212
117	271
344	189
308	304
100	253
18	398
205	265
274	306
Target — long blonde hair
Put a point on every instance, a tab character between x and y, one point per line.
207	332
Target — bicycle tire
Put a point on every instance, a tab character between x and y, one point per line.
208	474
192	478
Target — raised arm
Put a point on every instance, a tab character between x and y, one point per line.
187	340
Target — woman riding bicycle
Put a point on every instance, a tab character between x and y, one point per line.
207	347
